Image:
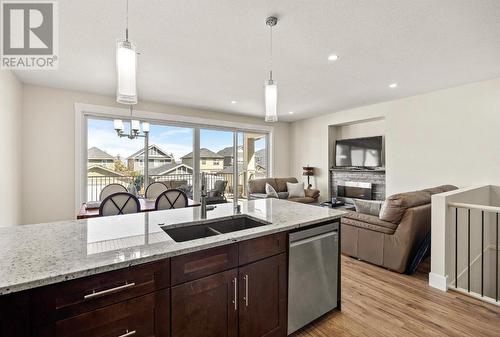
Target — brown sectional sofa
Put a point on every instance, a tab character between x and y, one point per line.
257	190
390	239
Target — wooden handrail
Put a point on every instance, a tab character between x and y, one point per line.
493	209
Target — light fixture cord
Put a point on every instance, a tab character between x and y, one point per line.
126	29
271	53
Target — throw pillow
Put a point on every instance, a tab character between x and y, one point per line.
370	207
295	190
270	191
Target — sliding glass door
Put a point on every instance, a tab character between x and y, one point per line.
177	156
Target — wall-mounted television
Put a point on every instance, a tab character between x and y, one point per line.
359	152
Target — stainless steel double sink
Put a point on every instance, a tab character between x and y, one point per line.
212	228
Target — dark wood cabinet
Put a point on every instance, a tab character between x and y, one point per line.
262	298
67	299
15	315
206	307
239	289
144	316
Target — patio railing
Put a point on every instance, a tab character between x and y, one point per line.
95	184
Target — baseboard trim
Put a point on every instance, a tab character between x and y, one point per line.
438	281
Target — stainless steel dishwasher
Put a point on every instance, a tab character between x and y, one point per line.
312	274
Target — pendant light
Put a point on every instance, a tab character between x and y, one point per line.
126	67
270	86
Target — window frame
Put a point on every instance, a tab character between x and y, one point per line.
85	111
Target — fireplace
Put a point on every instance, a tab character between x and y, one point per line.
373	180
354	190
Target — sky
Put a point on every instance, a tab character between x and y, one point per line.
171	139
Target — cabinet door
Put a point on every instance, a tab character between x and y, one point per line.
262	294
206	307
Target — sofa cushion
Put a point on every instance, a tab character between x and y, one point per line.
304	200
259	185
270	191
283	195
371	207
393	208
281	183
311	192
367	226
295	190
372	219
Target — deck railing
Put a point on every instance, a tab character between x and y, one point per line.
95	184
475	229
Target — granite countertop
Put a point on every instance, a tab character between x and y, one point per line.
42	254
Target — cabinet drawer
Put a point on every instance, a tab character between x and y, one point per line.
144	316
66	299
203	263
260	248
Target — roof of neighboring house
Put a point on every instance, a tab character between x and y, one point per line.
228	151
97	167
204	153
166	168
152	146
229	169
96	153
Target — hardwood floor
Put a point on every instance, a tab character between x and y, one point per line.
377	302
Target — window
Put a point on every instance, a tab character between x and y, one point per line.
172	144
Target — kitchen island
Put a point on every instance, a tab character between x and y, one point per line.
60	278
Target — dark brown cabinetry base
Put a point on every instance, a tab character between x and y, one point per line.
234	290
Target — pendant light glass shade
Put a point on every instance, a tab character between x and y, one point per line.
126	67
271	97
118	124
135	125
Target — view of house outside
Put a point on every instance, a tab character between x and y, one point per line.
113	159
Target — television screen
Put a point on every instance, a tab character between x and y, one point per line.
359	152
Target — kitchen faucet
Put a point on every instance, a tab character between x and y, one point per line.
203	199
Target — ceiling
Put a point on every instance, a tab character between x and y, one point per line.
206	53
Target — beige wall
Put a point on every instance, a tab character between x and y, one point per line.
11	99
448	136
48	147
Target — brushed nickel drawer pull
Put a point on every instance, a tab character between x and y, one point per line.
128	333
246	290
235	300
109	291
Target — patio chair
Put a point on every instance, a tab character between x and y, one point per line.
217	194
119	203
111	189
169	199
154	190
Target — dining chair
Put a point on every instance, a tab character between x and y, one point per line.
154	190
111	189
173	198
119	203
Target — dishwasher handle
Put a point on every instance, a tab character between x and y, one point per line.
312	238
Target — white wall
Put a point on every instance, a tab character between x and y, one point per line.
363	129
48	147
448	136
11	99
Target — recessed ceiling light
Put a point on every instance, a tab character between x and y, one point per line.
233	102
393	85
333	57
290	112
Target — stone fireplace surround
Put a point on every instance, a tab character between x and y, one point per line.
375	177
